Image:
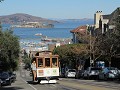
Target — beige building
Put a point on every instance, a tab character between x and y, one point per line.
97	17
106	22
102	23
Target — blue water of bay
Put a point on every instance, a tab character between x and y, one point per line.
60	30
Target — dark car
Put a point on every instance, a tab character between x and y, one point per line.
12	76
91	72
0	83
79	74
119	74
6	79
0	79
109	73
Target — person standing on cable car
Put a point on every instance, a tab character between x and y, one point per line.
33	66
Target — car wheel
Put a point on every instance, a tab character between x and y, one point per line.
10	82
105	78
88	77
13	81
66	76
38	82
76	76
83	77
0	85
99	78
118	79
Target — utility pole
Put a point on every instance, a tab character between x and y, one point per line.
90	29
90	50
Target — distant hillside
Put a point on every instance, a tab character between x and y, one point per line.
77	20
83	21
20	18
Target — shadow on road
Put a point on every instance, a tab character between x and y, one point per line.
109	81
36	83
10	88
31	82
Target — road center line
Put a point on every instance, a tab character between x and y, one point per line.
29	84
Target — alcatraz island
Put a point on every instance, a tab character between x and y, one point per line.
34	25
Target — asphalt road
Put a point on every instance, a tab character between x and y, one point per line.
24	82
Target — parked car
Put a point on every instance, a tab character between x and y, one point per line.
62	74
119	74
109	73
6	79
70	73
0	79
91	72
12	76
0	83
79	74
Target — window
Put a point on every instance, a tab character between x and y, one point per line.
40	62
47	62
54	62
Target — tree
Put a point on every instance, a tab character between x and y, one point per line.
9	50
1	0
72	54
93	42
109	42
26	59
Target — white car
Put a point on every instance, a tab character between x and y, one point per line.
70	73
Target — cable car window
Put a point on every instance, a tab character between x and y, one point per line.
54	62
40	62
47	62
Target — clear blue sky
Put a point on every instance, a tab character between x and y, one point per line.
73	9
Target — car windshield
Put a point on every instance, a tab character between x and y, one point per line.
112	68
4	75
72	71
10	73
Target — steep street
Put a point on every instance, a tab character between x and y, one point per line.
24	82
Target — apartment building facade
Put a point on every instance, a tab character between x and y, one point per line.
102	23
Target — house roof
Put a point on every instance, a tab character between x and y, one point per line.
80	29
114	16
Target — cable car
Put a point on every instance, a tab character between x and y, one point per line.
47	67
